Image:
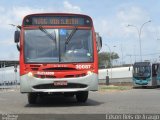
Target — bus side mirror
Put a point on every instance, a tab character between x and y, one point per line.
16	38
99	42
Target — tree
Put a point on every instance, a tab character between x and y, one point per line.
104	58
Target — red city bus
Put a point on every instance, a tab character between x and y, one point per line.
58	54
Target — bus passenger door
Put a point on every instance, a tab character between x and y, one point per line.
158	75
154	74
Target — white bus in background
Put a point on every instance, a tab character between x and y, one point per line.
9	76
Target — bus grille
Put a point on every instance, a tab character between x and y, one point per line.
66	76
58	68
141	78
52	86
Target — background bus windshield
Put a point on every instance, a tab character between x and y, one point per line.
142	71
58	45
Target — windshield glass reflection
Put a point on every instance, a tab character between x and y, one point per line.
49	45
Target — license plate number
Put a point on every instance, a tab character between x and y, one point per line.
60	83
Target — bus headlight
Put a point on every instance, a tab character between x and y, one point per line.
89	72
30	74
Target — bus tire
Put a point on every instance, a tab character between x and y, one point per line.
32	98
82	96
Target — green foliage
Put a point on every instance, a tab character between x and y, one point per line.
111	87
104	58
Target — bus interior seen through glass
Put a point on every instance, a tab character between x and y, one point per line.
39	47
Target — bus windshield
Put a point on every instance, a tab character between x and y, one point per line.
51	45
142	71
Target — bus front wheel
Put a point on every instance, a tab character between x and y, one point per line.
32	97
82	96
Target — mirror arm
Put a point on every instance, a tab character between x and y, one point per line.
18	26
18	47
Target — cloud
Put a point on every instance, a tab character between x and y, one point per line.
68	7
132	15
115	26
15	14
21	12
115	32
103	26
7	42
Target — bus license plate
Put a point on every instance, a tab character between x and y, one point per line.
60	83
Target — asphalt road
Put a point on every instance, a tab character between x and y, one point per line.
133	101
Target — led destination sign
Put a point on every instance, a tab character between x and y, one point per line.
57	20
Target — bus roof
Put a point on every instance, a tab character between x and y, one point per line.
141	63
59	14
144	63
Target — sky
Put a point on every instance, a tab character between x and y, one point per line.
110	17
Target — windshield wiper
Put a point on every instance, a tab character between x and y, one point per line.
71	35
47	33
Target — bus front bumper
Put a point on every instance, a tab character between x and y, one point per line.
138	82
32	84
